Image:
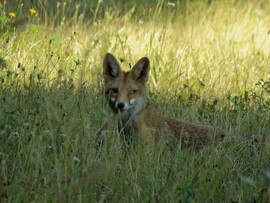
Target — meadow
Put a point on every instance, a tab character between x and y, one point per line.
209	64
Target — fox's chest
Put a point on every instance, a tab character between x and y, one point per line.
128	124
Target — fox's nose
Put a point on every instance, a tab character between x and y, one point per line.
120	105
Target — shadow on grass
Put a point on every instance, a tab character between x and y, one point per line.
47	151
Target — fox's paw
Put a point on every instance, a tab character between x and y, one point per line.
101	138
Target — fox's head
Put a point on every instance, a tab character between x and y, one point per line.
125	90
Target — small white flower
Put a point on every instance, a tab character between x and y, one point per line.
76	160
267	174
16	134
7	127
62	135
247	180
171	4
48	133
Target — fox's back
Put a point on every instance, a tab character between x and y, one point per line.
167	128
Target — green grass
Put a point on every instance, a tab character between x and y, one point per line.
209	64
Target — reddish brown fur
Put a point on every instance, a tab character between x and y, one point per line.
193	135
124	83
140	119
179	132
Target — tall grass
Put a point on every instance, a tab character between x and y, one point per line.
209	64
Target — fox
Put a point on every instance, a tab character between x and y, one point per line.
127	95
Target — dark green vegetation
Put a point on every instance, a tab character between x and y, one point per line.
209	64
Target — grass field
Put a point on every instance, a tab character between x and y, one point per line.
209	64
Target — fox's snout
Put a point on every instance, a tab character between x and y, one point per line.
122	106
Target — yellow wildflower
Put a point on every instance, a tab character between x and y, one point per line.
12	14
32	11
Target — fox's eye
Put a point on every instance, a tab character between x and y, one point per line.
114	90
133	91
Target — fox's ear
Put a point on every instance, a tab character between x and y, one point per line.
140	71
110	66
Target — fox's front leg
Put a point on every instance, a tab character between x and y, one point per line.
101	137
102	134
